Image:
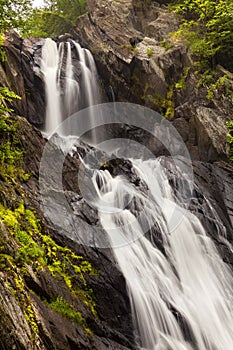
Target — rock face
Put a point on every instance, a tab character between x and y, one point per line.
17	73
141	64
42	327
28	288
138	61
135	60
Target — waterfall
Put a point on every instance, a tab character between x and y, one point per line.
88	73
49	66
180	293
181	299
72	89
71	84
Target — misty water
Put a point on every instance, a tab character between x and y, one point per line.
181	296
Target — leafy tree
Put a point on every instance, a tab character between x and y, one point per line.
55	18
208	27
14	14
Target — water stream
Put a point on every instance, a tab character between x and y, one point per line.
180	301
71	81
181	298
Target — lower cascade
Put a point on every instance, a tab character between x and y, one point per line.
180	293
181	300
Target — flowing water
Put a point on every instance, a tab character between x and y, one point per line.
181	295
49	68
71	82
182	299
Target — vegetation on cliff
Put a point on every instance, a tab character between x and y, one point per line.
55	18
208	27
25	249
14	14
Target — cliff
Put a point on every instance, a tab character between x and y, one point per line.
139	57
56	293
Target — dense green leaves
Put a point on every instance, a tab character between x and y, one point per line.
230	139
14	13
208	27
57	17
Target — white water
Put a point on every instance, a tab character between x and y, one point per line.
89	83
70	78
49	67
72	89
192	280
190	285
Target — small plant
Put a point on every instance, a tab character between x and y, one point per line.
61	306
214	82
149	52
131	48
230	139
165	106
181	84
167	44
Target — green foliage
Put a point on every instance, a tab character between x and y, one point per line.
10	155
21	229
181	84
10	162
14	14
149	52
6	96
165	106
230	139
56	18
208	28
167	44
2	53
61	306
216	83
39	251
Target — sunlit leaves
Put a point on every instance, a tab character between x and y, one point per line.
57	17
14	13
211	37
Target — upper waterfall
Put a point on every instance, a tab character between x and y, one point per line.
71	84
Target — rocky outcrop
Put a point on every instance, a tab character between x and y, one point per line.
141	63
16	73
134	57
94	310
125	41
138	61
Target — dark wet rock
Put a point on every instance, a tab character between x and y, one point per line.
119	35
135	56
17	74
112	327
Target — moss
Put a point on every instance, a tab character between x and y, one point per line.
35	249
11	157
60	305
